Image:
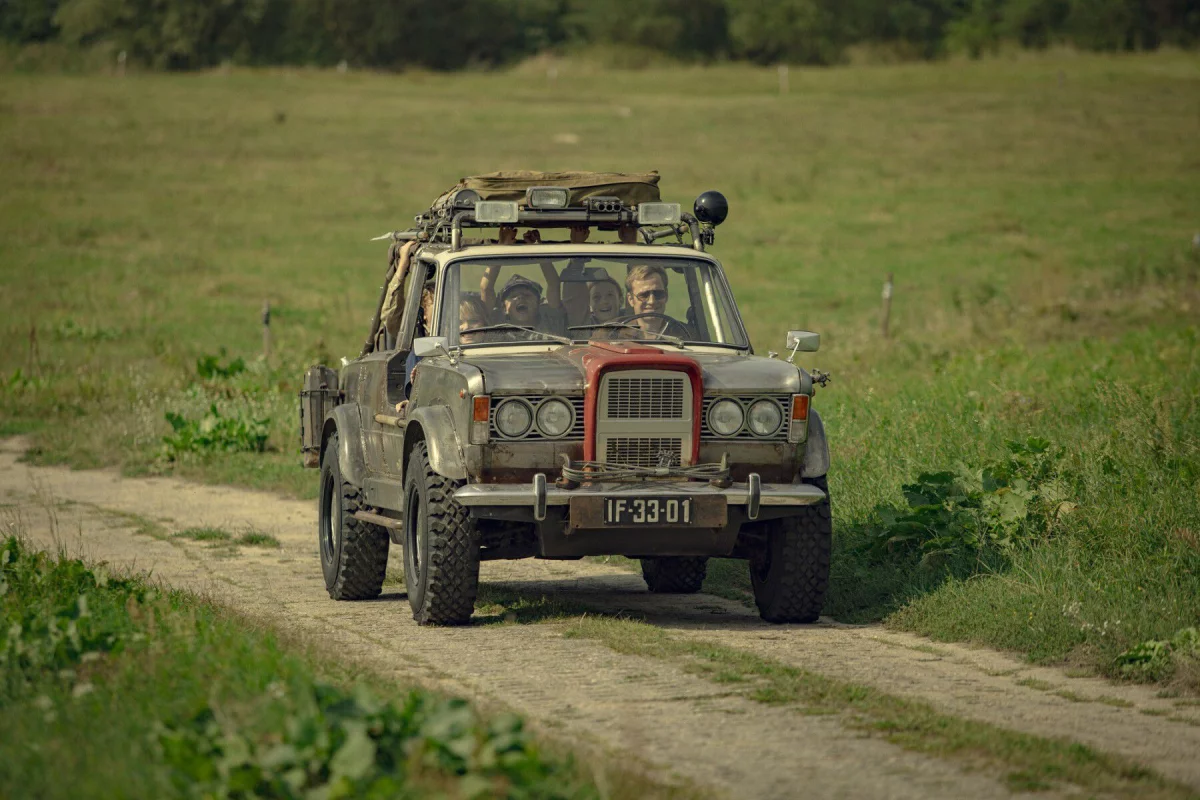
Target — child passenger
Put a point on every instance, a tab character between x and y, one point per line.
604	301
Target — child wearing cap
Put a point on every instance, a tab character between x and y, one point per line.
521	300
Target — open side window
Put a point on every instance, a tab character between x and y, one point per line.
401	344
418	278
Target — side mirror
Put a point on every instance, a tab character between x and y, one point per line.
803	341
427	346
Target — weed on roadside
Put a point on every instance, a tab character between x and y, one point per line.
1158	660
999	506
204	535
257	539
214	432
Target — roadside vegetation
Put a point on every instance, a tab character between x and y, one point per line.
1017	464
110	686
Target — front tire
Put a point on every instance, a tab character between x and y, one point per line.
674	574
441	548
790	573
354	553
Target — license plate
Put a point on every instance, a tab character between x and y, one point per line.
633	511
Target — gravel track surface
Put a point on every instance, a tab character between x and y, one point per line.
642	710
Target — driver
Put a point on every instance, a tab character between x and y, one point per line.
646	295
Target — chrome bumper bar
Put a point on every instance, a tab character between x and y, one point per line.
753	493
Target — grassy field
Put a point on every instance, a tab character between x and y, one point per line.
1037	213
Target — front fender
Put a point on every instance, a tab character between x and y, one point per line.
816	451
352	457
435	425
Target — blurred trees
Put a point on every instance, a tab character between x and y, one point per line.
450	34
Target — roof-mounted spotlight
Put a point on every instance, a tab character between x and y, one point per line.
547	197
712	208
658	213
496	212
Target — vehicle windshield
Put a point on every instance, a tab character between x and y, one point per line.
676	301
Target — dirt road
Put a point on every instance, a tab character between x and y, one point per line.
637	708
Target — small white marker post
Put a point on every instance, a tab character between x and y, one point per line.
121	63
887	304
783	78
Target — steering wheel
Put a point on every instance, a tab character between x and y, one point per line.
668	322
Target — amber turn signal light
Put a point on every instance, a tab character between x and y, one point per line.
800	407
482	403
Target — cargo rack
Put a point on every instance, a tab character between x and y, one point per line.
547	207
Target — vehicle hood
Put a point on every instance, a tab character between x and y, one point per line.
562	371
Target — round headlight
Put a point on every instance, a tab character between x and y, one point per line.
725	417
554	418
764	417
513	418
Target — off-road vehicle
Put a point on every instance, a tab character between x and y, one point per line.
604	400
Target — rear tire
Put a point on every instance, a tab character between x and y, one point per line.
674	574
354	553
441	546
790	573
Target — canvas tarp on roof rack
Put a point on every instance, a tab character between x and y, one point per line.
632	188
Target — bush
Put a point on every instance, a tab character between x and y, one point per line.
214	432
1157	659
351	744
209	367
998	507
56	614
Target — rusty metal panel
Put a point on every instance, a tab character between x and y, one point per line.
708	511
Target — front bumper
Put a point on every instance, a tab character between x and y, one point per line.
753	494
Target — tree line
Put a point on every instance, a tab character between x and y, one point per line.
451	34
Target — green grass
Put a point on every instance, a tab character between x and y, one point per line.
1039	228
111	687
1115	702
257	539
218	536
205	535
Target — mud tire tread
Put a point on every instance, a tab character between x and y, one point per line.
674	574
452	565
362	565
800	548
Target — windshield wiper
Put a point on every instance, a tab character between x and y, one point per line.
508	326
675	340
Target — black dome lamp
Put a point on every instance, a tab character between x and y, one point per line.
711	208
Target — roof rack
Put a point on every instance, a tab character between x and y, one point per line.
549	207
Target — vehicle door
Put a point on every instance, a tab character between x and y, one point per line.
383	386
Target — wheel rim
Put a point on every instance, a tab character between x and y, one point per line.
328	519
413	537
